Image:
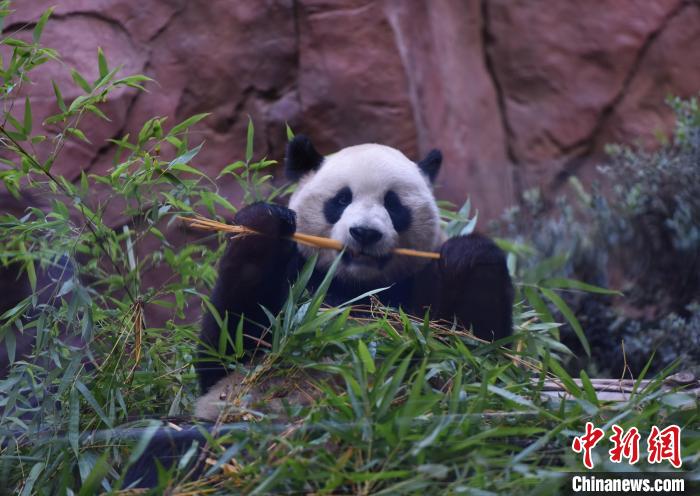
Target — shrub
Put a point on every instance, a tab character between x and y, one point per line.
639	226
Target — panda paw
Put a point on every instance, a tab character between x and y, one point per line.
462	254
476	287
272	247
268	219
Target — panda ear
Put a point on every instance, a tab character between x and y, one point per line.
430	165
301	157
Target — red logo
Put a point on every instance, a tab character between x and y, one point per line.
661	444
665	445
626	445
587	442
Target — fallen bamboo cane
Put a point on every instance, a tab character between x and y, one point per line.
305	239
621	390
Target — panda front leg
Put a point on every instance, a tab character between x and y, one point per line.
475	286
254	272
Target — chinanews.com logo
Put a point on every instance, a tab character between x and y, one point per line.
662	446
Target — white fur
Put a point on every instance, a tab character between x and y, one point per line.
370	171
242	397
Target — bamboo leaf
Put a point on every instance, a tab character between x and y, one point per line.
394	386
564	377
32	478
97	112
74	421
186	157
27	126
29	267
249	141
102	63
239	338
564	283
39	27
569	316
143	442
93	403
588	388
100	468
538	303
510	396
187	123
365	356
10	344
80	81
78	134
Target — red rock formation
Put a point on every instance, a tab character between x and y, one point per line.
516	93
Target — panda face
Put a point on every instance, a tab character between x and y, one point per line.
372	199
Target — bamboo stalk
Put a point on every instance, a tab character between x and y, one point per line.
621	389
304	239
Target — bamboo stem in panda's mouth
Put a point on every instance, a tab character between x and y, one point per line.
205	224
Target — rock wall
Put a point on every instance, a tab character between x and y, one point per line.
516	93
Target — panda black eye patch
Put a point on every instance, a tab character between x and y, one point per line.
334	207
399	213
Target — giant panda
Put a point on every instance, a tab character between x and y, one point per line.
372	199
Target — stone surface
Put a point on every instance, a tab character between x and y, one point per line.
352	78
639	117
454	101
515	94
562	70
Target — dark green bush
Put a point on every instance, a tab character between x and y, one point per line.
639	227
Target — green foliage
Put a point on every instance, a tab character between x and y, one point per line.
96	362
534	283
413	405
640	222
653	213
458	223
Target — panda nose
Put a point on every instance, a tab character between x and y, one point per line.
365	235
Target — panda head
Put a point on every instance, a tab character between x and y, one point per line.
372	199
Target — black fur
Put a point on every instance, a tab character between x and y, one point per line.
400	215
15	286
475	286
430	165
252	272
334	207
301	157
166	448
